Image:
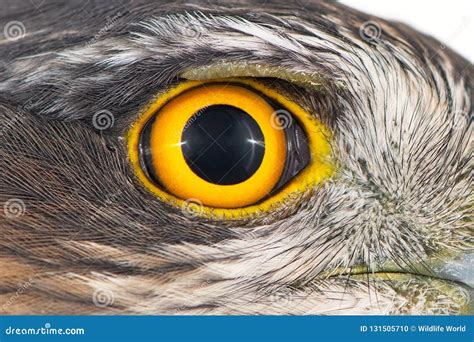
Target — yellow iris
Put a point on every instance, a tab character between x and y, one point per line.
172	112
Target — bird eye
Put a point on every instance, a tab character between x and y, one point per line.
234	146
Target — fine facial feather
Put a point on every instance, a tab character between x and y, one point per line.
400	108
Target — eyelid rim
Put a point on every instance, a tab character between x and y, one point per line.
320	167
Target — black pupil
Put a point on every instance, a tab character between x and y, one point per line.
223	144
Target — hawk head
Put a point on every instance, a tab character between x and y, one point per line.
369	212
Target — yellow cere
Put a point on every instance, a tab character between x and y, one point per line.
179	183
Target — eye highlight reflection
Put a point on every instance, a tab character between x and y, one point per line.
221	142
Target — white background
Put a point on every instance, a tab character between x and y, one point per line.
451	22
